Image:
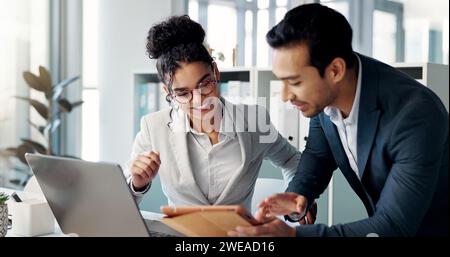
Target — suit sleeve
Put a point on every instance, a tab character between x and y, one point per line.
417	145
142	143
316	165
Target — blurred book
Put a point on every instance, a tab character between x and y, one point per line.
163	104
237	92
283	115
148	100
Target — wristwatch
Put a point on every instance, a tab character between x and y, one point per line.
295	216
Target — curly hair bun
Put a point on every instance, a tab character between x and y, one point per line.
175	31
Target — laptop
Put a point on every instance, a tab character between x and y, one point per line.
92	198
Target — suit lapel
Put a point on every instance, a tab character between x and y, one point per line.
340	156
342	162
178	141
244	138
334	139
244	142
369	113
367	125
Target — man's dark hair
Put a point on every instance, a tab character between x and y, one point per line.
177	39
326	32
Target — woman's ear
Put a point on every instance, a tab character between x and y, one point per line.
166	89
216	71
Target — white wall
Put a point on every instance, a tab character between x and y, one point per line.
123	28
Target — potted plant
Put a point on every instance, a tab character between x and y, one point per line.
3	214
42	82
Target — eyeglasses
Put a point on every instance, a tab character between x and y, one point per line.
205	88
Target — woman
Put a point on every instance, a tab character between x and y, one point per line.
206	150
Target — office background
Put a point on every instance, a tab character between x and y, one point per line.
104	42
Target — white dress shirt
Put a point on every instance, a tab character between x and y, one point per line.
348	127
214	165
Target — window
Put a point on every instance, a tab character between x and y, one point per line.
24	46
263	27
240	25
388	33
193	10
398	30
90	108
221	33
248	38
279	13
342	6
426	31
384	36
445	54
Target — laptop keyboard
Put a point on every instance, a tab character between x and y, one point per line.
159	234
158	229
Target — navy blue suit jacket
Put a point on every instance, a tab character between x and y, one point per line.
402	151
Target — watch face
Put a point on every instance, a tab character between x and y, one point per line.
296	216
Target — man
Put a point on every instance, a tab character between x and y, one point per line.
387	133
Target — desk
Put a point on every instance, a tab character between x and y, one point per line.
58	233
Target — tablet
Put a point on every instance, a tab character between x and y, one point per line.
173	211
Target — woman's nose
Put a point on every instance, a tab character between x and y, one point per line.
196	97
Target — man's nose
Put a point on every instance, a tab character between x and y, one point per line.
286	95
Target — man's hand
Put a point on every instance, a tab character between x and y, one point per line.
272	227
275	205
311	215
283	204
144	169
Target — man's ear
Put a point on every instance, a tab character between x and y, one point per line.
336	70
216	71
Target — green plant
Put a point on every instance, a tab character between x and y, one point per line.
54	96
3	197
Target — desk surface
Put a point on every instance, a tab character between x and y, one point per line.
29	195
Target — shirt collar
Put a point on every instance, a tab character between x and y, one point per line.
334	112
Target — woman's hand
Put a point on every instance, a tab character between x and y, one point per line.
144	169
